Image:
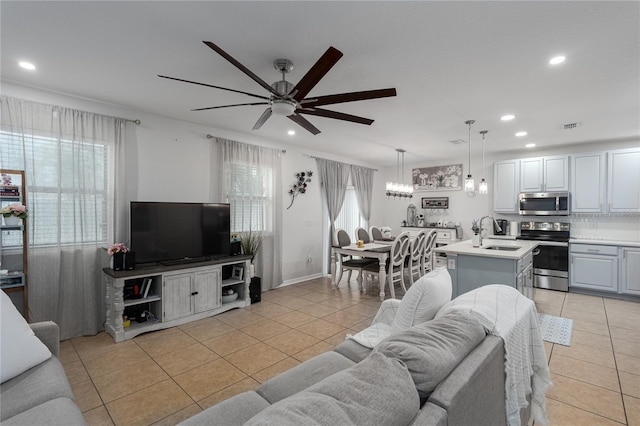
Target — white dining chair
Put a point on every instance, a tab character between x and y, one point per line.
416	257
427	259
394	266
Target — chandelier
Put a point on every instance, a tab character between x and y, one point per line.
469	183
483	187
399	189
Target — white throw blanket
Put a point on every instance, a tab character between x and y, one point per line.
381	325
505	313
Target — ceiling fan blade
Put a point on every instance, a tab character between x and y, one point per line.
215	87
242	68
334	114
304	123
227	106
315	74
265	115
348	97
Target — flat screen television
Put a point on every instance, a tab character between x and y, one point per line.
173	233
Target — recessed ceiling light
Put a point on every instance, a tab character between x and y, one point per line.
557	60
507	117
291	132
530	145
27	65
520	134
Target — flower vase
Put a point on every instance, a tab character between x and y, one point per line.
118	261
252	270
11	220
475	240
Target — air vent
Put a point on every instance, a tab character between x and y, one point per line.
458	141
569	126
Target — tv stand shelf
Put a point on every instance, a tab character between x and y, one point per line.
179	294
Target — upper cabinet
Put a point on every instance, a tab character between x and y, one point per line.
506	186
544	174
624	181
588	177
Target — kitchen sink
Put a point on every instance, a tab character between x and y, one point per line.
502	248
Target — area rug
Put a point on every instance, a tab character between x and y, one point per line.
555	329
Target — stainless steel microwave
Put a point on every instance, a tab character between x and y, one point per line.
544	203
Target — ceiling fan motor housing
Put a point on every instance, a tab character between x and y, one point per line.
282	87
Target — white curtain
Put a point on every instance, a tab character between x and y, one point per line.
362	179
70	159
249	179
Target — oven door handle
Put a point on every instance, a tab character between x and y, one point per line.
536	252
553	243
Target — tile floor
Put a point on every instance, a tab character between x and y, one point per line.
163	377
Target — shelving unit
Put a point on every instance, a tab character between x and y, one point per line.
13	245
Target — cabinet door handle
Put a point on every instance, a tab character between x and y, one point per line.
194	293
594	250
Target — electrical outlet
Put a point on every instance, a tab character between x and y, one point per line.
451	264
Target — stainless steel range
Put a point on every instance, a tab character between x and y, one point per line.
551	257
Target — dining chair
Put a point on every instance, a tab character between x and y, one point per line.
416	257
347	262
394	266
362	234
376	233
427	259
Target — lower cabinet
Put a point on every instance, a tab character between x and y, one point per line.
191	293
594	267
630	270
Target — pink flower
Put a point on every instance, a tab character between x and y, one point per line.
117	248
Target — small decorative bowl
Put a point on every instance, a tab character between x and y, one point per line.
229	298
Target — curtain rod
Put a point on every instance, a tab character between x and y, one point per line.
210	136
136	121
320	158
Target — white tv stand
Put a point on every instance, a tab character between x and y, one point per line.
178	294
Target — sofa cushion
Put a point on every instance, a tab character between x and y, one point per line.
302	376
35	386
376	391
353	350
433	349
423	300
59	411
20	349
233	411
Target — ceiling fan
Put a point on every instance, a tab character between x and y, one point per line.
289	100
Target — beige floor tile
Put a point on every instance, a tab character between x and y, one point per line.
591	327
311	351
548	296
619	305
363	309
153	335
100	343
583	298
68	353
595	307
149	405
340	303
548	350
321	329
624	334
255	358
630	384
586	353
632	406
591	339
239	318
98	417
265	329
626	347
319	310
268	309
167	343
561	414
75	372
185	359
625	322
544	308
630	364
356	328
344	318
337	338
277	368
585	371
208	330
294	290
584	316
230	342
128	379
315	296
291	342
588	397
292	302
179	416
294	318
209	378
244	385
86	395
108	362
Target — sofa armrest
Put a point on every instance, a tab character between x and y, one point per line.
49	333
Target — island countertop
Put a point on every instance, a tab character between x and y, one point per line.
466	248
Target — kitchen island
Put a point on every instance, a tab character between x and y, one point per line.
497	261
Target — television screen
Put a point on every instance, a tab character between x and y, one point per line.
176	232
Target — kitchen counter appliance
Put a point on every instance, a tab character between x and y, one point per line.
551	257
504	227
544	203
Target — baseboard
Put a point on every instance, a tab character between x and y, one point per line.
301	279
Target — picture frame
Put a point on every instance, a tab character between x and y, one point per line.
237	272
438	178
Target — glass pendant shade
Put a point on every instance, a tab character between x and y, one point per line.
483	188
469	184
399	189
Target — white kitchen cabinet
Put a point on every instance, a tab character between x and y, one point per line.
624	181
630	270
594	267
544	174
588	182
506	186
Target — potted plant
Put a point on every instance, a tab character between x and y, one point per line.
475	238
117	252
251	242
12	214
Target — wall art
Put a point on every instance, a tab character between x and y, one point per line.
438	178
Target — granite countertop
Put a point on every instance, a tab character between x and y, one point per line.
605	242
466	248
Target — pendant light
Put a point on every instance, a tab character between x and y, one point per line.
398	189
483	187
469	183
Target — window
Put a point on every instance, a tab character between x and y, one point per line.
349	217
67	187
251	197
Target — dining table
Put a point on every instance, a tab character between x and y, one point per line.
377	250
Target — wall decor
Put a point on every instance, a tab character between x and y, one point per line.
300	186
438	178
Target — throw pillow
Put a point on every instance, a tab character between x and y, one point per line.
20	349
423	299
433	349
376	391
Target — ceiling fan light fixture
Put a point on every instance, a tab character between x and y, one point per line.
283	107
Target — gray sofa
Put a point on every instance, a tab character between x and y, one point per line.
42	394
337	387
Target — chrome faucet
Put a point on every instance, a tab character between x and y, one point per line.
482	229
